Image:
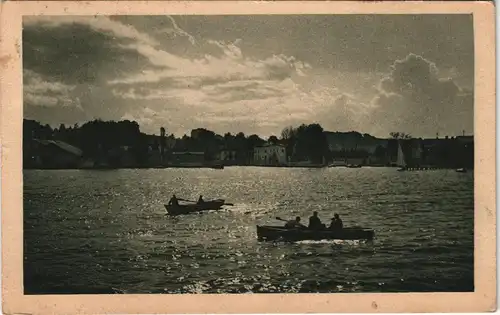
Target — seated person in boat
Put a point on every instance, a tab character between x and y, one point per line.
294	224
336	222
200	200
173	201
315	222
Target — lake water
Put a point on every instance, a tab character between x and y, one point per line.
108	232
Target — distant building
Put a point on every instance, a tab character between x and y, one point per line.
270	155
228	157
54	154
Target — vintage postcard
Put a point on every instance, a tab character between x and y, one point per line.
248	157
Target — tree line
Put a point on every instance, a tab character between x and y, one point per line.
306	142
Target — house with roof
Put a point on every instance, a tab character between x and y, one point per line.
228	157
53	154
270	154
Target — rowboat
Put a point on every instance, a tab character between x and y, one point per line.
277	233
195	207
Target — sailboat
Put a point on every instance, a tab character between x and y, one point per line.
401	162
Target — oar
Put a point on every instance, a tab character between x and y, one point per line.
228	204
280	219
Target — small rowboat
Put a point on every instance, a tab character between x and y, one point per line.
195	207
278	233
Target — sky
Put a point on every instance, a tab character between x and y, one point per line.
253	73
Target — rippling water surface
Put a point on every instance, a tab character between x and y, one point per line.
108	232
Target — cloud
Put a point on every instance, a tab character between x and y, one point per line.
227	68
225	84
50	101
98	23
414	98
38	91
222	107
228	85
346	114
229	49
151	70
82	50
34	83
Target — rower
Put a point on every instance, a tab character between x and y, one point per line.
294	224
315	222
336	222
200	200
173	201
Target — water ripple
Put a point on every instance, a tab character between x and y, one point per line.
107	232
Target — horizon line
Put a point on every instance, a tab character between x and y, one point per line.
438	136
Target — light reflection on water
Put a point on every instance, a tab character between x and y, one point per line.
107	232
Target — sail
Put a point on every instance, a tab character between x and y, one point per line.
401	158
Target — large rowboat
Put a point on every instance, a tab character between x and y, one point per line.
278	233
195	207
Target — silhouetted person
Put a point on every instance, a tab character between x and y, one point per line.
294	224
173	201
200	200
315	222
336	223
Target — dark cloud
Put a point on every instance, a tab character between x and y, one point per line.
66	68
76	53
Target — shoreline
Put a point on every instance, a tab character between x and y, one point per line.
424	168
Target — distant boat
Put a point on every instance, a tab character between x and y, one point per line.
401	161
354	166
338	164
461	170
